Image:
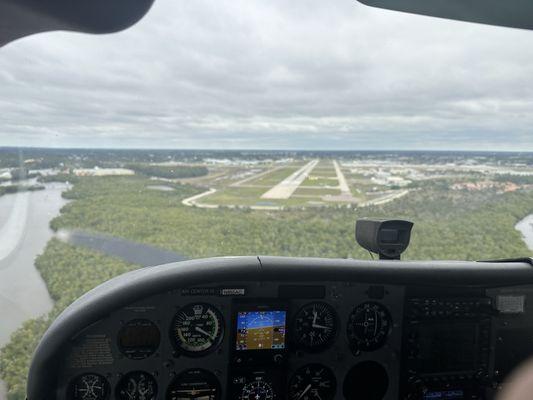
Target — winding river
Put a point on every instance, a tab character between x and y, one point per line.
24	232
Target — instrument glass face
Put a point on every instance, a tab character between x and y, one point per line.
197	329
257	390
369	325
139	339
137	385
315	326
89	387
194	384
312	382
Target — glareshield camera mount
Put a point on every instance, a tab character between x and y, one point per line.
388	238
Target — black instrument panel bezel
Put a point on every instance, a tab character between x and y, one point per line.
136	285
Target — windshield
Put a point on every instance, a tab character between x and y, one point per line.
245	128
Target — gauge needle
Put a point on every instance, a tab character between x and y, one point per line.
198	329
320	326
315	316
305	391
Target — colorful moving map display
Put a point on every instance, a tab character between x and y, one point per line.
261	330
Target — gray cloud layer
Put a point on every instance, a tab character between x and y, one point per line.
272	74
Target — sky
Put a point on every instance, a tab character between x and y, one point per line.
255	74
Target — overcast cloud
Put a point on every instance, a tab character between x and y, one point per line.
272	74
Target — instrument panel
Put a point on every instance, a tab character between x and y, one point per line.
381	337
248	342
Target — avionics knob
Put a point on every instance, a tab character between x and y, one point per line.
417	387
415	381
482	377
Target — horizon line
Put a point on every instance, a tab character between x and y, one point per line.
268	150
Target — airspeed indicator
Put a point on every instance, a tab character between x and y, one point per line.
197	329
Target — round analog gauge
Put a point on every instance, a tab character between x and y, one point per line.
197	329
312	382
136	385
138	339
257	390
367	380
368	326
315	326
89	387
194	384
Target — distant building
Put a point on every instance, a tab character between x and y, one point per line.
387	180
484	185
5	175
103	172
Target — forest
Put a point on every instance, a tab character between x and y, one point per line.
518	179
448	225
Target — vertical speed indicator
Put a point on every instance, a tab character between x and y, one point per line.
197	329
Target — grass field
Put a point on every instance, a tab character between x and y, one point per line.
274	177
319	181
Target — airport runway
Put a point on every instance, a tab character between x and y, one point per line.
288	186
343	185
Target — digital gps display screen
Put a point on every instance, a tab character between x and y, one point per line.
261	330
448	347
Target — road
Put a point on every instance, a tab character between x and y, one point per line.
386	199
193	201
288	186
